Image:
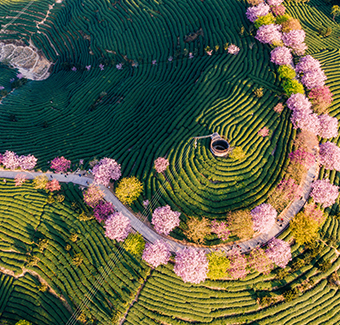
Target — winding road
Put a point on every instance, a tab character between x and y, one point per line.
151	236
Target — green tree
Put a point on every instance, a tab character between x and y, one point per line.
292	87
218	265
304	229
286	71
128	189
197	229
335	11
134	243
23	322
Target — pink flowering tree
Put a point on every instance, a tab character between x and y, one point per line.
321	98
278	108
274	2
264	216
306	120
311	211
302	157
281	55
328	126
233	49
279	252
306	64
264	132
220	229
105	170
20	179
298	102
93	195
324	192
60	165
269	34
329	156
238	264
157	253
53	185
278	10
289	189
259	261
191	265
164	219
293	38
117	226
314	79
161	164
27	162
10	160
255	12
102	210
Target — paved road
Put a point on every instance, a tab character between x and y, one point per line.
151	236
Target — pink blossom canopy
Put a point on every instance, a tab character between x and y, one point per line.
306	64
105	170
329	156
161	164
291	190
60	164
324	192
278	10
279	252
264	216
164	219
298	101
220	229
302	157
20	179
294	37
281	55
10	160
157	253
27	162
328	126
255	12
274	2
233	49
102	210
238	264
93	195
313	79
53	185
268	34
321	96
191	265
117	226
306	120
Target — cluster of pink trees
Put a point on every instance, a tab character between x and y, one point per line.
106	170
53	185
264	216
102	210
161	164
279	252
117	226
191	265
60	164
302	157
329	156
11	160
324	192
157	253
164	219
220	229
238	264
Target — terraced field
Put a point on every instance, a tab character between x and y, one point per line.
54	260
137	114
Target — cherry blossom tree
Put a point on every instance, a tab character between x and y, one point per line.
307	64
191	265
102	210
157	253
60	165
220	229
10	160
268	34
328	126
298	102
329	156
253	13
233	49
20	179
264	132
117	226
279	252
105	170
278	108
164	219
278	10
321	98
53	185
93	195
259	261
306	120
324	192
274	2
264	216
281	55
302	157
293	38
161	164
313	79
27	162
238	264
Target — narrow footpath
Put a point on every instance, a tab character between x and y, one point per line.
151	236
